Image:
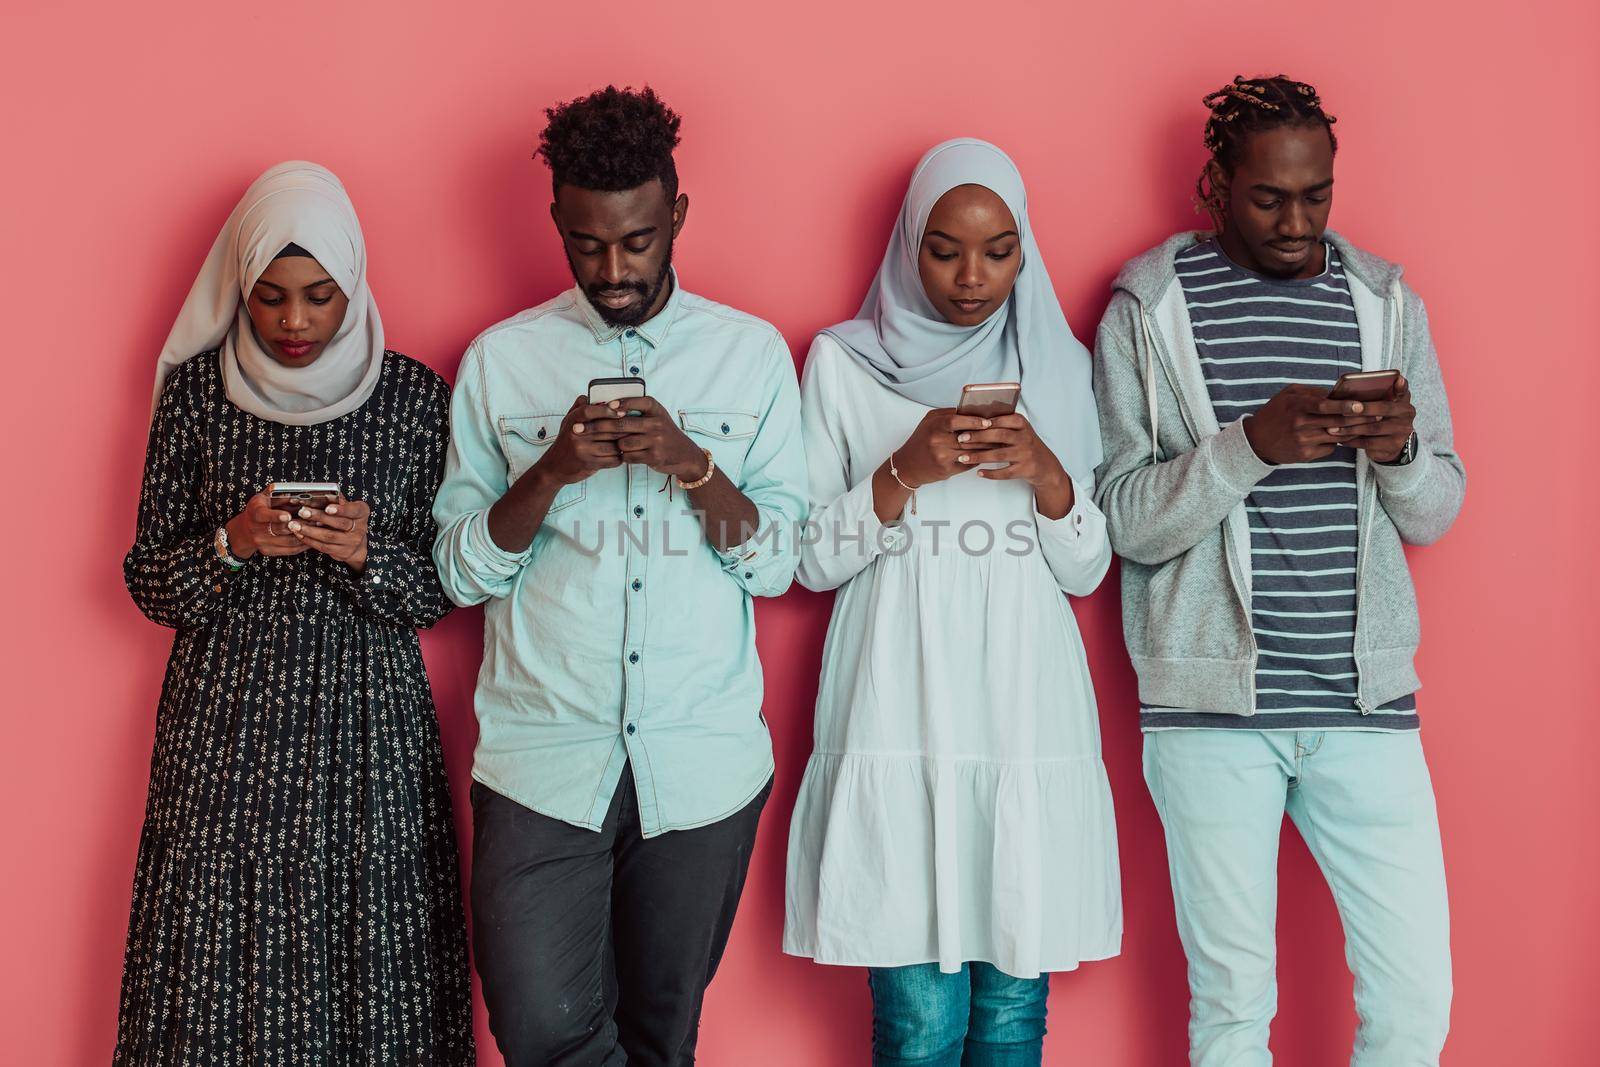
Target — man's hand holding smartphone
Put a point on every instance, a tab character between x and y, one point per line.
1396	421
651	437
586	442
616	423
1304	423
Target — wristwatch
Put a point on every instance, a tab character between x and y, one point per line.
1407	453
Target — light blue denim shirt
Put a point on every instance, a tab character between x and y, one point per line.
621	637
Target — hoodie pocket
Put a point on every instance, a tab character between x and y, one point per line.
1389	617
1191	608
524	440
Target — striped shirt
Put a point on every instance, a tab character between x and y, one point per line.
1255	335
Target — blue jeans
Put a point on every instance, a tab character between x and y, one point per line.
977	1017
1363	802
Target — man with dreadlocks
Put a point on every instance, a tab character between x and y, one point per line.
1267	604
622	760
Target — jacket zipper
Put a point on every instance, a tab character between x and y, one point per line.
1361	556
1369	501
1228	549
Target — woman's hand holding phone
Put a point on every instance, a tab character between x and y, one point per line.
1011	440
338	530
935	451
262	528
947	443
930	454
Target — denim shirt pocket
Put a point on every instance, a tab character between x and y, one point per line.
523	439
728	434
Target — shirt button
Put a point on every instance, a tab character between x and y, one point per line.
637	585
633	657
633	371
747	574
724	428
632	729
377	579
627	333
638	511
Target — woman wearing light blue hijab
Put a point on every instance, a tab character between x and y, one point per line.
954	831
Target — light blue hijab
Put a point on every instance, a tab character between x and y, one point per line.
903	342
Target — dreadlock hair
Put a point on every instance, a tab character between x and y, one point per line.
1243	107
611	140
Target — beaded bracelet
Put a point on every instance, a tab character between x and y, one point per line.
711	468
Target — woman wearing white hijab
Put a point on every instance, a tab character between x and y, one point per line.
296	895
954	831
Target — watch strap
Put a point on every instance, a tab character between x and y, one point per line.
1408	452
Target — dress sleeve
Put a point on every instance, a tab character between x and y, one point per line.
400	583
172	571
843	535
1076	546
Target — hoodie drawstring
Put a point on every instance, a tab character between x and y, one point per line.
1150	386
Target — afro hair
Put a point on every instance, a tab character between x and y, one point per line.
611	140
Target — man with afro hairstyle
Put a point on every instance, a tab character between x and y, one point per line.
1267	603
618	540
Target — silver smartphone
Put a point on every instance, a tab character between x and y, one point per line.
291	495
605	390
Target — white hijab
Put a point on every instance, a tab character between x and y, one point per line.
901	340
292	203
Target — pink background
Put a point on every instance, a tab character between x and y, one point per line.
1469	153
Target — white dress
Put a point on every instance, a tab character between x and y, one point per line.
955	807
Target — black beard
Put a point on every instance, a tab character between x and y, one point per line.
639	312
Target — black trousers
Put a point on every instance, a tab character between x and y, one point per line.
595	949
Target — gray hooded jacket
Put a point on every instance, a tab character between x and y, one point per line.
1173	487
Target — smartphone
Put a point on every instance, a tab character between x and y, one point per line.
605	390
291	495
988	400
1365	385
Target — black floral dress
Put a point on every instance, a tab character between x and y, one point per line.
296	899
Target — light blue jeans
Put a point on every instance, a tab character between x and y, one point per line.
978	1017
1364	804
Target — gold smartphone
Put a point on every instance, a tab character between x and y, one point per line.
988	400
1365	385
